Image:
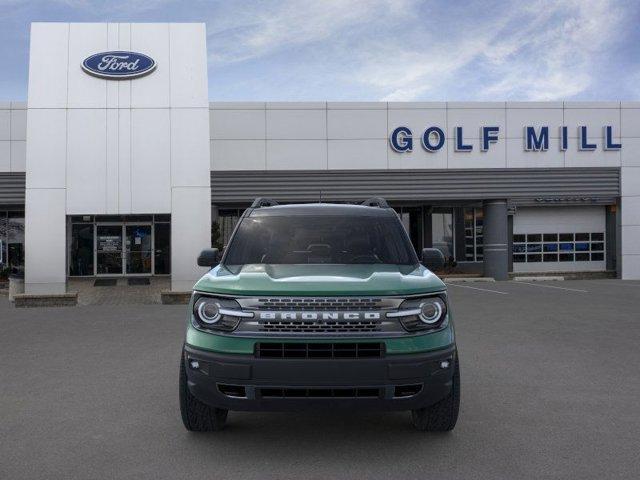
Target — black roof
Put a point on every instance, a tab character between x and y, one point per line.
335	209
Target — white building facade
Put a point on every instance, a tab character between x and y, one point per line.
133	176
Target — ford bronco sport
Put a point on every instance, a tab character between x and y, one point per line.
319	305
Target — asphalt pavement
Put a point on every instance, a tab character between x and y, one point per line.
550	389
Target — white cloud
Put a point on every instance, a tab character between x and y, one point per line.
559	58
411	75
542	52
254	32
399	49
407	49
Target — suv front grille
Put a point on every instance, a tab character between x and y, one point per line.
310	304
319	350
299	316
319	326
366	392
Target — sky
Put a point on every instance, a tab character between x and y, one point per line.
377	50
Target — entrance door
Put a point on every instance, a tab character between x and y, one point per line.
139	249
109	250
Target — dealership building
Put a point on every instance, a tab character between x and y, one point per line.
119	165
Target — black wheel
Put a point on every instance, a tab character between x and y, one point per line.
198	416
441	416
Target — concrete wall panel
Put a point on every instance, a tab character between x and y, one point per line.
45	241
86	161
189	145
191	212
47	148
86	91
296	124
153	90
357	124
150	160
238	154
188	60
237	124
630	120
112	162
48	57
124	161
357	154
5	156
18	156
5	124
18	124
296	155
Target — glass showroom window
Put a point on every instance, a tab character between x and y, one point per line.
473	233
12	239
81	249
442	231
412	219
558	247
117	245
162	244
222	229
4	269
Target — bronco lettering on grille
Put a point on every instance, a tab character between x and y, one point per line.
319	315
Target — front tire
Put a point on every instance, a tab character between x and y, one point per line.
198	416
443	415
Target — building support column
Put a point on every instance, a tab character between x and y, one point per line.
611	244
45	241
190	233
460	234
427	229
629	233
495	239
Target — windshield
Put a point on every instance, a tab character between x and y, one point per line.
320	239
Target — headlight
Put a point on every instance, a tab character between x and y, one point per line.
431	310
208	311
217	313
426	313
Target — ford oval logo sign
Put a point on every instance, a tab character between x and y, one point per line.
118	65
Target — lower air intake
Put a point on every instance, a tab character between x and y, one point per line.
403	391
236	391
319	392
320	350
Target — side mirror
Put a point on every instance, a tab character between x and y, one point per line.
209	257
432	258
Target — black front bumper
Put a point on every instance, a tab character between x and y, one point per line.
393	382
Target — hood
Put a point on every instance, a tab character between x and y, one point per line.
329	280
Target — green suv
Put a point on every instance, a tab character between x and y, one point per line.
319	305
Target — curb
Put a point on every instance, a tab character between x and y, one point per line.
467	279
25	300
168	297
548	278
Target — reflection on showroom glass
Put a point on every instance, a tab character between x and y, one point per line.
558	247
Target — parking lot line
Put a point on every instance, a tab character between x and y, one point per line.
476	288
552	286
617	283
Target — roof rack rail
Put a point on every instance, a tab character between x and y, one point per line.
263	202
375	202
